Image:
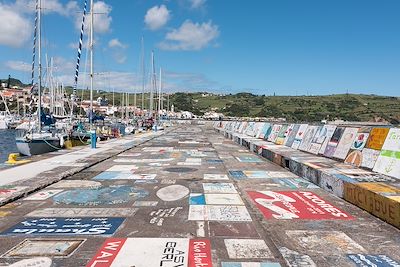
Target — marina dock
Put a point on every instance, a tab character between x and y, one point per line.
196	194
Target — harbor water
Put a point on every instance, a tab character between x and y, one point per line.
7	144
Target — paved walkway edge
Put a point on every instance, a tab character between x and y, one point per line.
372	197
43	180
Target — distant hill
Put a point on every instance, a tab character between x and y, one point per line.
14	82
351	107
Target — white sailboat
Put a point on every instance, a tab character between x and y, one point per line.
5	116
4	121
39	140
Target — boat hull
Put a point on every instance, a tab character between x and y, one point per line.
37	147
3	125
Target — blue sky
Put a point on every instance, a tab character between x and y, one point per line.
261	46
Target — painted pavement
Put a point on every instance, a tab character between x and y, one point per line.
192	198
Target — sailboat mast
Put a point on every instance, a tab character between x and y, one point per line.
127	106
159	93
113	100
78	61
91	63
134	97
167	103
153	83
39	110
143	73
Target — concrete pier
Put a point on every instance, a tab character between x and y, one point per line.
184	197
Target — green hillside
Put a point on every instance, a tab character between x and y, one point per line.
13	82
349	107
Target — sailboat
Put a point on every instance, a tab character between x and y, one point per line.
4	120
79	135
39	139
5	116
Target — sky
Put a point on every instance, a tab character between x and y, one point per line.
286	47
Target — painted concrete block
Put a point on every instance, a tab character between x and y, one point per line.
296	259
367	260
247	248
288	205
145	252
377	198
65	226
45	247
324	242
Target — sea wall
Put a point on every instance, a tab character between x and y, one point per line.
358	163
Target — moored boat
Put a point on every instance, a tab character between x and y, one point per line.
39	143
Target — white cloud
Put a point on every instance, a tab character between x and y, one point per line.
120	58
194	4
120	81
118	50
73	45
115	43
15	29
188	81
62	65
48	6
18	65
156	17
130	81
16	19
102	18
72	9
190	36
24	6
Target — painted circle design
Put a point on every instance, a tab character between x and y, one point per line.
38	261
180	169
103	196
173	192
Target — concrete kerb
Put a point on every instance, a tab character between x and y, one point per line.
41	182
378	198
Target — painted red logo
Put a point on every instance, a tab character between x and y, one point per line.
288	205
199	253
107	253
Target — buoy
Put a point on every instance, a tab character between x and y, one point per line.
13	159
68	144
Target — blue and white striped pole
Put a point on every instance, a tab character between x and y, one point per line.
34	44
78	60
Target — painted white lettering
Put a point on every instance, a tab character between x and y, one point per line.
92	231
104	254
327	207
113	245
94	264
280	213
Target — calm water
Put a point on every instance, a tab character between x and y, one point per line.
7	144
